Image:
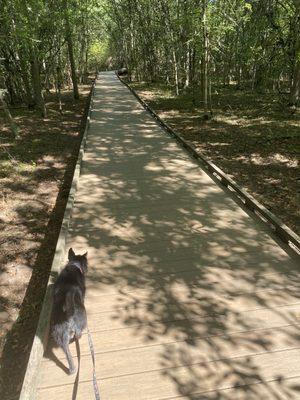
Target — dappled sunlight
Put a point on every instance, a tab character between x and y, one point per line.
251	137
184	288
275	159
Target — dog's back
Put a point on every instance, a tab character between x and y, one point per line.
69	291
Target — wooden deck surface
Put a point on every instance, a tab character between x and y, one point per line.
188	297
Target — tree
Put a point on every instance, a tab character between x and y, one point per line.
13	126
252	44
295	82
69	41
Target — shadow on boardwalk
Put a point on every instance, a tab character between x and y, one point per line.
188	265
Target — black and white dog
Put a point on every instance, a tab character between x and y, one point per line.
68	314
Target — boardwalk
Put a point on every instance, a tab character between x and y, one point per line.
188	296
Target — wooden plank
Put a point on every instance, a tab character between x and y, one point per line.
141	359
197	299
179	243
141	320
142	262
173	381
210	253
283	389
153	215
216	279
115	275
267	337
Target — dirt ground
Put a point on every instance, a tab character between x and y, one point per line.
36	171
252	137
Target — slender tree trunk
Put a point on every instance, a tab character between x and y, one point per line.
20	56
13	126
71	51
36	82
187	67
224	73
85	69
253	77
205	63
192	65
25	76
47	82
58	83
166	13
175	73
83	48
35	70
295	87
25	79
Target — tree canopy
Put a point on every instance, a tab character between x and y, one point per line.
188	43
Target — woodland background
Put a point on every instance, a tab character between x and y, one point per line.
254	44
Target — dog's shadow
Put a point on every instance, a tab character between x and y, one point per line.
49	353
51	356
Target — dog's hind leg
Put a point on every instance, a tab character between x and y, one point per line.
67	352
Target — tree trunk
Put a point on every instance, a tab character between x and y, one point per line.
13	126
35	70
24	74
82	57
187	67
58	84
71	52
175	73
295	87
36	82
86	59
205	63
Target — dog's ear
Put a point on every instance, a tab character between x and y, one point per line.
71	254
85	254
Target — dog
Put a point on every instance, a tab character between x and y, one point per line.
68	318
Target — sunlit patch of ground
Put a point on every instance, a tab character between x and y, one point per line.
252	137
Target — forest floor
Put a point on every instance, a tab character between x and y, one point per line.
251	137
36	172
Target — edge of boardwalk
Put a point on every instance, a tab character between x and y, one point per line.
29	386
282	231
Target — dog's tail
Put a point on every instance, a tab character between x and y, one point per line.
73	297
